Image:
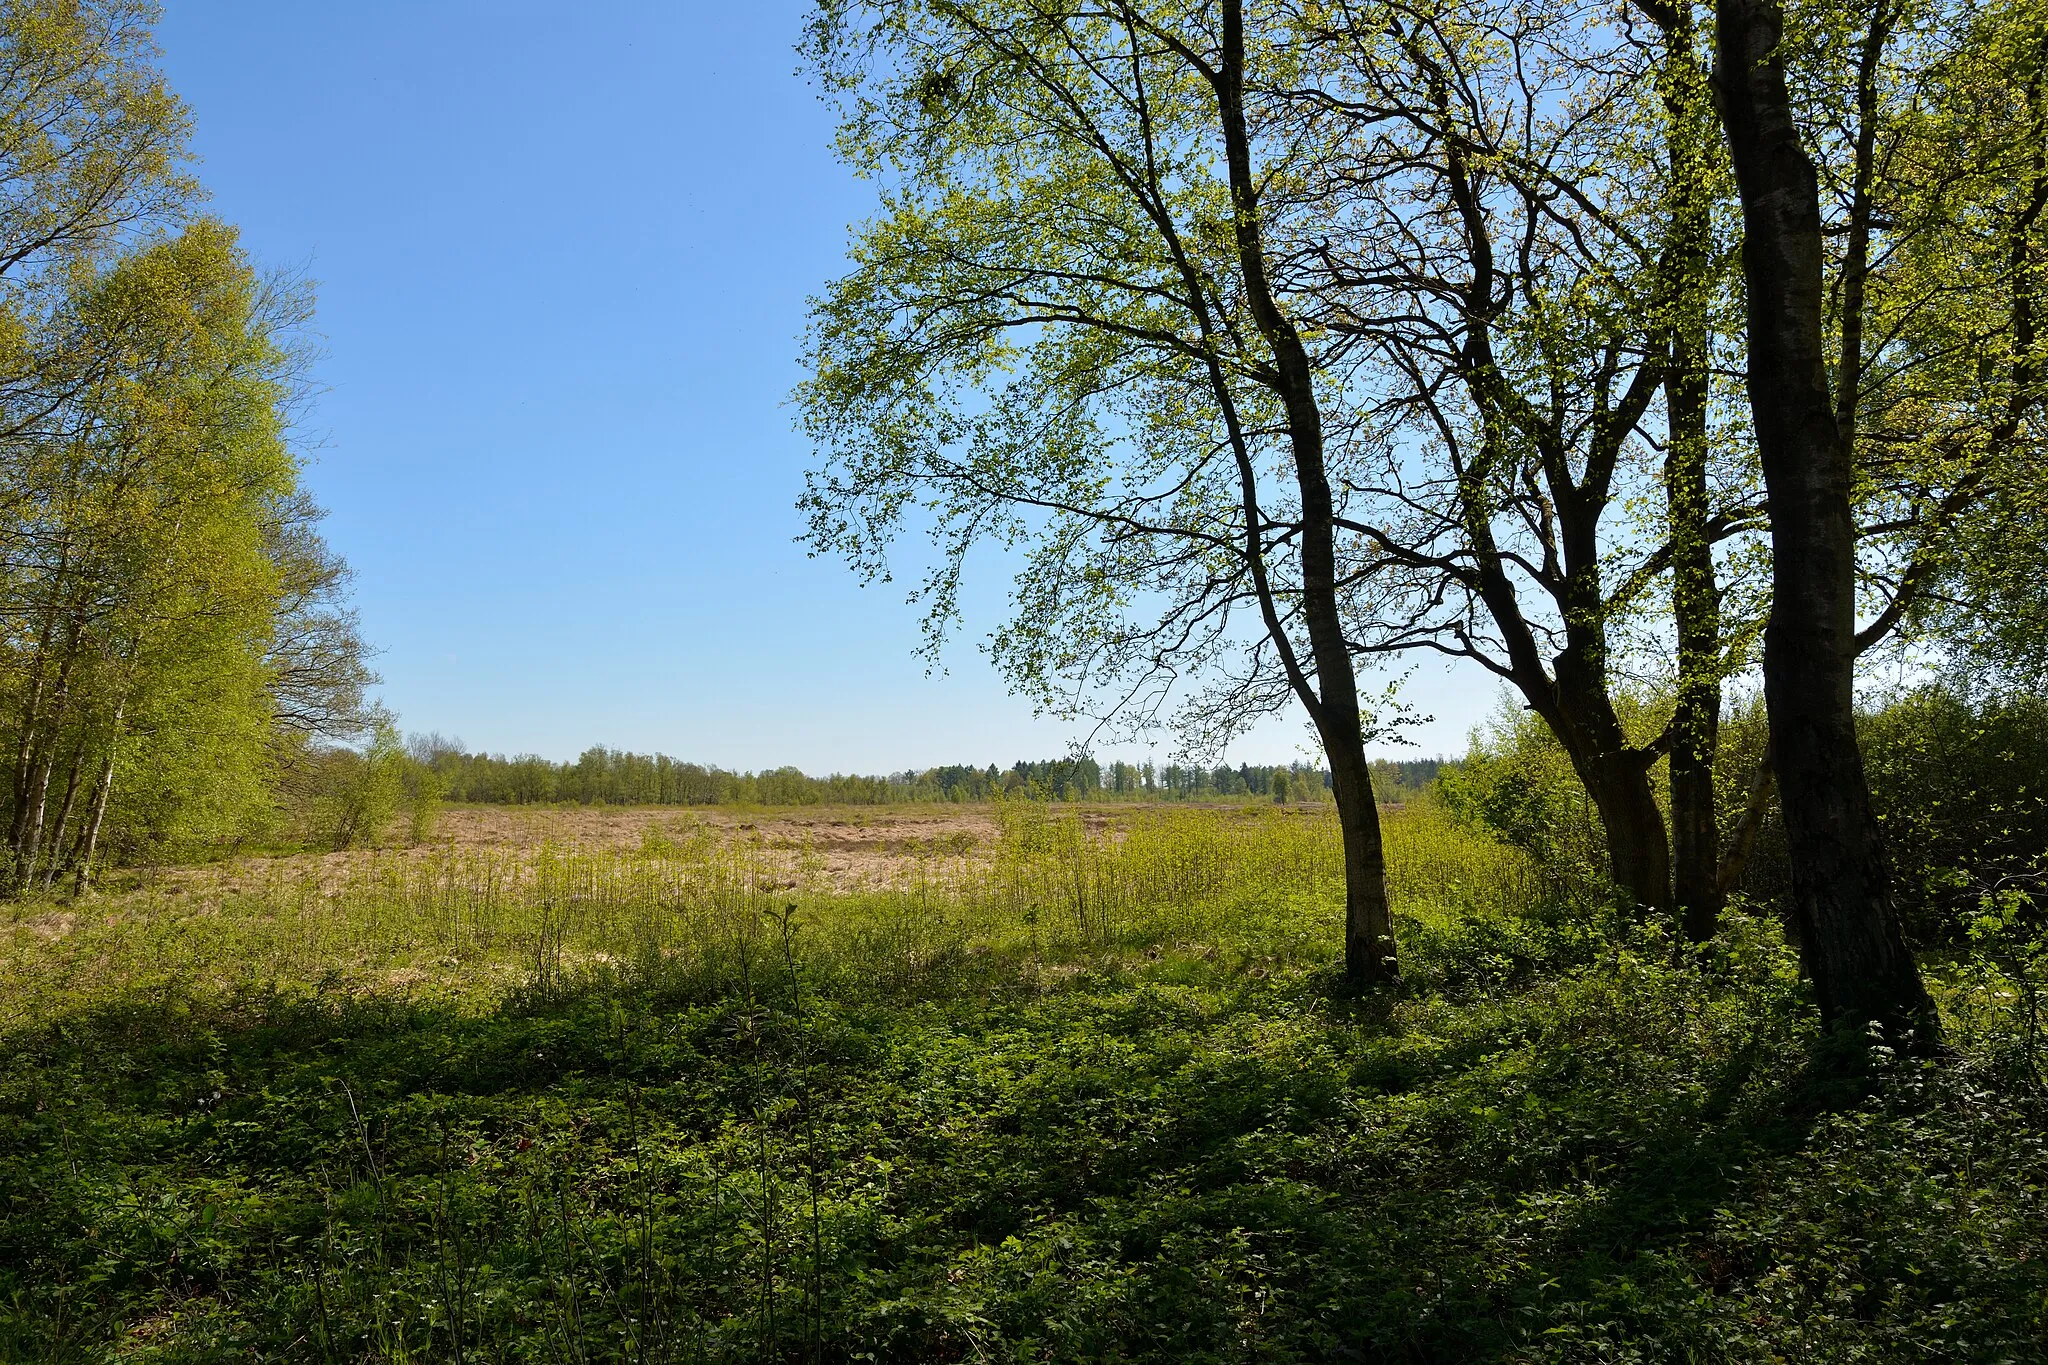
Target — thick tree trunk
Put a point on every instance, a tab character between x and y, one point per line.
1853	949
1695	736
1696	613
1578	704
1368	919
1638	853
1369	955
1580	712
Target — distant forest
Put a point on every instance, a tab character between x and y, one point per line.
602	776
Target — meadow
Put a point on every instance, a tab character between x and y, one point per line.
1010	1082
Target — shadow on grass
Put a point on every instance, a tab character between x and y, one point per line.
1183	1165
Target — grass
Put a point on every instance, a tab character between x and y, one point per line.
1068	1096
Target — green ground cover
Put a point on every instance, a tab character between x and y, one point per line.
1076	1098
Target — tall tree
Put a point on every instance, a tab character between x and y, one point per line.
1700	873
1523	239
1949	355
140	681
1076	329
1841	897
92	144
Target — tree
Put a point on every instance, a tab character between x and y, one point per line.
1701	874
1850	939
317	658
1075	330
1520	234
145	579
121	593
363	789
1973	132
91	146
1526	230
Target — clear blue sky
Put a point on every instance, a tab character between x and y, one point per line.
562	254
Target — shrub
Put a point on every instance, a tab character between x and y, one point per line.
422	788
362	789
1961	788
1517	782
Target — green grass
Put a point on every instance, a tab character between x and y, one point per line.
1070	1098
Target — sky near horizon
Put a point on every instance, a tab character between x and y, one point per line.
562	255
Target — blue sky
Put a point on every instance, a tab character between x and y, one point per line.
562	255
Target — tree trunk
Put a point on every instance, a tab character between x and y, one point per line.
33	704
1578	705
1747	827
1696	719
62	826
88	842
1369	955
36	799
1853	949
1696	613
1368	918
1580	712
32	711
1638	852
1695	595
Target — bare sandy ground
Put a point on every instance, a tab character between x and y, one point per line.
847	846
860	831
843	846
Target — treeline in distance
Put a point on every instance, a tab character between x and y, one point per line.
604	776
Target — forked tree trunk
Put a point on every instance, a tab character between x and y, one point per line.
1853	949
1572	693
1580	712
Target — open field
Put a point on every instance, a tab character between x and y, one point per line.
836	847
846	846
1035	1083
823	849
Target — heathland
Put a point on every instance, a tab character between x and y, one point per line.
1002	1082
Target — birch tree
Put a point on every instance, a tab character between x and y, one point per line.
1077	328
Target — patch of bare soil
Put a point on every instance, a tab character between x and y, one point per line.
844	846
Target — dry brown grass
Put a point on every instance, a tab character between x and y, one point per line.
847	848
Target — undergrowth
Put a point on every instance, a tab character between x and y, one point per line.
1082	1097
